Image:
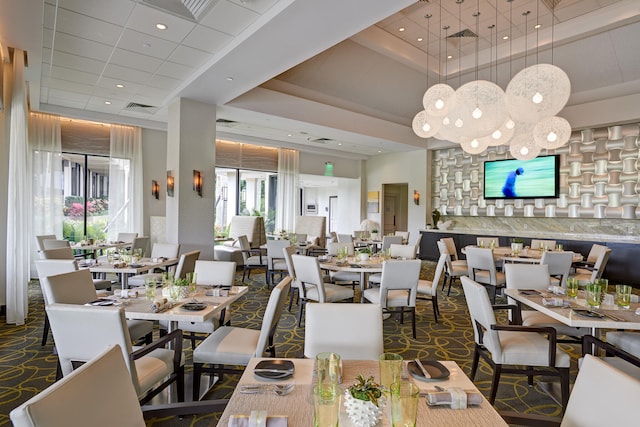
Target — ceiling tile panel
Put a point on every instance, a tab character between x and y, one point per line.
68	60
128	74
110	83
145	18
71	86
112	93
259	6
206	39
82	47
72	75
66	102
176	71
146	44
66	94
189	56
113	11
87	27
137	61
97	103
162	82
229	18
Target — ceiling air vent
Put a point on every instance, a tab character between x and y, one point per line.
225	121
192	10
141	108
319	140
464	33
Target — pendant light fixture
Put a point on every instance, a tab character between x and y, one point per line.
426	125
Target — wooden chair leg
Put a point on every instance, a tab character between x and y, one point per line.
45	330
197	372
474	364
434	303
495	380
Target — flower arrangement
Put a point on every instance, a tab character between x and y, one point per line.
364	401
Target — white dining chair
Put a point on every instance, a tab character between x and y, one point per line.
595	269
428	289
396	251
512	349
235	346
253	258
186	265
57	253
559	264
453	269
126	237
482	268
142	244
275	261
352	330
546	244
41	238
55	244
387	241
343	277
404	234
398	289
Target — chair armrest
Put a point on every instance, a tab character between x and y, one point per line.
516	312
589	342
547	330
584	265
515	418
175	336
252	252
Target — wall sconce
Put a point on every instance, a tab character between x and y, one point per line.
416	197
197	182
155	189
170	182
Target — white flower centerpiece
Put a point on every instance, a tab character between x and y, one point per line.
364	402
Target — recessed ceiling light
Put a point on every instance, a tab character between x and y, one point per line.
161	26
120	85
450	56
401	29
537	26
340	144
379	151
419	39
147	45
289	135
505	37
229	79
107	102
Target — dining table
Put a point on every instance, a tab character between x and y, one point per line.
124	270
353	265
95	249
297	406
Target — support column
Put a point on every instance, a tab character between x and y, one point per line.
191	136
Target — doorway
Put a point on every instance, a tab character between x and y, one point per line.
395	208
333	210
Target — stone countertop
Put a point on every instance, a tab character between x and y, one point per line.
557	235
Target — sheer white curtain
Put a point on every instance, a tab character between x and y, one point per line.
18	200
47	179
288	197
125	181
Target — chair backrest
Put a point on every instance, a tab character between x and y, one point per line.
343	238
334	237
387	241
272	314
103	382
361	234
559	264
274	250
308	274
82	332
287	253
215	272
55	244
403	251
250	226
400	275
186	264
617	393
526	276
244	244
600	264
595	252
165	250
403	234
352	330
481	259
440	266
75	287
52	267
42	238
314	226
332	248
547	244
126	237
486	241
59	253
443	249
142	243
451	247
482	316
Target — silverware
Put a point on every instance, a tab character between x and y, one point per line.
610	316
422	368
278	389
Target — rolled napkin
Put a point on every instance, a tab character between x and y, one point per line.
257	419
128	293
119	264
554	302
159	305
558	290
454	396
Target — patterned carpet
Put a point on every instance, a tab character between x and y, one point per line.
27	368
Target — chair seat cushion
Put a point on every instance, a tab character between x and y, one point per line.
525	348
345	276
154	368
228	346
484	277
256	261
459	264
535	318
425	287
375	278
333	293
139	328
627	341
395	297
459	270
279	265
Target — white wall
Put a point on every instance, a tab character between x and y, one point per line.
313	164
154	163
348	213
399	168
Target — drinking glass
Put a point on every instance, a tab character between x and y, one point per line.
559	247
604	287
328	368
326	405
404	404
174	292
623	296
110	257
150	288
572	288
390	369
594	294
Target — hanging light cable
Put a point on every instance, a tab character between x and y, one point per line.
425	125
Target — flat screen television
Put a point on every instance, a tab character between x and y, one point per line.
522	179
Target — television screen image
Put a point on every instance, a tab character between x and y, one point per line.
521	179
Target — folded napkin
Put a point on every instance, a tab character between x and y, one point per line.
258	419
454	396
555	302
159	305
558	290
119	264
127	293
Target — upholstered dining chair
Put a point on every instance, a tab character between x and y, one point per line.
397	251
41	238
559	266
398	289
453	251
57	253
536	276
594	266
55	244
186	265
207	273
512	349
143	244
82	332
482	269
230	345
547	244
252	258
387	241
312	285
453	269
126	237
428	289
295	285
404	235
613	404
343	277
352	330
74	287
82	396
345	238
275	261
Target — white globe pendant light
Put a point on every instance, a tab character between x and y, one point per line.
481	106
438	99
523	147
503	134
552	132
473	145
424	126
